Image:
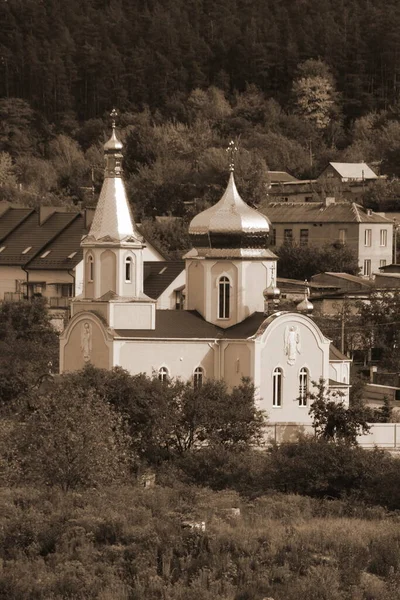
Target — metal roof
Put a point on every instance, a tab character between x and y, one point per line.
354	170
65	245
318	212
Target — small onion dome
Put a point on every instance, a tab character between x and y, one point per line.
230	223
113	143
305	306
272	292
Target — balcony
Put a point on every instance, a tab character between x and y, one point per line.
62	302
13	296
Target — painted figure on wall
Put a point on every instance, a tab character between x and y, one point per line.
292	343
86	341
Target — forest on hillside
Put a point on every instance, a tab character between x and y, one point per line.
296	84
71	58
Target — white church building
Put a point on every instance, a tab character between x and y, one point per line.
225	331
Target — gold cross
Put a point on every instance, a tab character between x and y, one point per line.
231	150
113	115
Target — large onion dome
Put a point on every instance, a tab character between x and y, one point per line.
230	223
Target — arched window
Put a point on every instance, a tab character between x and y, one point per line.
128	269
303	386
198	377
90	268
224	290
163	374
277	387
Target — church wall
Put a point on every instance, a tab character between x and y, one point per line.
195	292
236	361
308	352
132	316
180	358
85	343
108	279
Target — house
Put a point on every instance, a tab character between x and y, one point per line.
40	255
228	329
346	172
347	181
369	234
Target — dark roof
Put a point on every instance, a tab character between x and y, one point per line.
335	354
280	177
11	218
31	234
65	244
172	324
317	212
188	324
159	275
352	278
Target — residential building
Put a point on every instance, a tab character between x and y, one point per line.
369	234
40	255
347	181
227	330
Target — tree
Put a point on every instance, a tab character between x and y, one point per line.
332	420
7	170
168	418
71	438
302	262
314	93
28	347
380	326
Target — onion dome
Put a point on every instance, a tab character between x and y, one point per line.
305	306
230	223
113	221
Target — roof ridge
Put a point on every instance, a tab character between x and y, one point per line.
356	212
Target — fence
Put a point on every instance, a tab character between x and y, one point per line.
382	435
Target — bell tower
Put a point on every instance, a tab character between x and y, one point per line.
112	251
113	254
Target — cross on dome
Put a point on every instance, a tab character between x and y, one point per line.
231	150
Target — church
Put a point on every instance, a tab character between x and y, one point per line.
230	327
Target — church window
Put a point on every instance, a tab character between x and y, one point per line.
163	374
224	290
198	377
90	267
277	387
128	269
303	387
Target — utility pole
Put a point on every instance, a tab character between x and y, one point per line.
395	228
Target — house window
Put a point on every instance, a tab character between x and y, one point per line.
342	236
163	374
224	291
383	237
382	263
128	270
273	237
65	290
367	237
303	237
277	387
198	377
90	267
288	236
303	387
367	266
